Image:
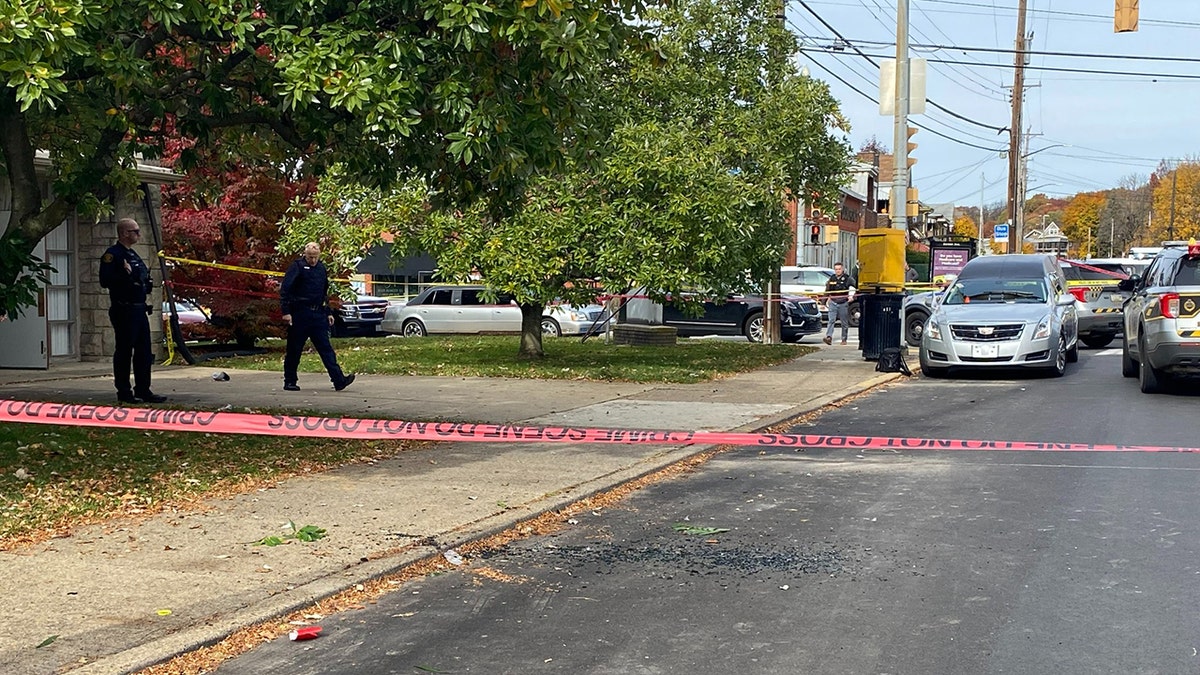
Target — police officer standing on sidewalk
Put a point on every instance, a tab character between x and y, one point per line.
304	297
840	286
127	279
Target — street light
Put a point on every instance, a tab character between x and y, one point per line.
1055	145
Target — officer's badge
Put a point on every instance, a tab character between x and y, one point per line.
108	257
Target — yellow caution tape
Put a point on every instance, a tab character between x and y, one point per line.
231	268
219	266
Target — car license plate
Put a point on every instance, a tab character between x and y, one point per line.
1117	297
985	351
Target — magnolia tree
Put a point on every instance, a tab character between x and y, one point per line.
473	97
703	140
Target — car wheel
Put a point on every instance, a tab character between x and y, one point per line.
1149	377
1060	358
1129	367
1073	353
413	328
1098	341
855	314
550	327
753	330
914	328
338	329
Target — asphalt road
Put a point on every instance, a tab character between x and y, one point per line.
844	562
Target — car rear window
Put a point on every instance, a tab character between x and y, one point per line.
1188	272
1076	273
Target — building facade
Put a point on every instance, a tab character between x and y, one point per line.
70	321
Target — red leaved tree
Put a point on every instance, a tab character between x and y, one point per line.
229	214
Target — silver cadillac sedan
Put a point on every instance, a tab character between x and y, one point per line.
1006	311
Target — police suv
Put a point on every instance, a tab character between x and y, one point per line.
1099	300
1162	319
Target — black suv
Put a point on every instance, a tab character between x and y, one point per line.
743	315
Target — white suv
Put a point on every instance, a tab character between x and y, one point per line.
808	281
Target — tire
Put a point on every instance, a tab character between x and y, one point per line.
753	328
1098	341
855	313
1129	367
914	328
1073	353
550	327
413	328
338	329
1060	358
1150	379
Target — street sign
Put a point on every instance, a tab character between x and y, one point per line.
1000	233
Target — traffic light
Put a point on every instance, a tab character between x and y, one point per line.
913	203
911	146
1125	18
814	234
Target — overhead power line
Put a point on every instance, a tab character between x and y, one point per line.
874	100
1028	52
872	62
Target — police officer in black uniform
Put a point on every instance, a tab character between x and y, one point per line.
840	287
304	296
127	279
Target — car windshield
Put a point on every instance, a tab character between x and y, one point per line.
972	291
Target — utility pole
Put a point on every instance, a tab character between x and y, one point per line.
1015	200
1171	224
898	200
771	308
979	243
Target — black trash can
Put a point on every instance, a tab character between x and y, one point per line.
882	324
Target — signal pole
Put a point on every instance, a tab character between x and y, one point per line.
1015	200
898	200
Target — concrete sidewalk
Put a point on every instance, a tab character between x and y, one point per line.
101	589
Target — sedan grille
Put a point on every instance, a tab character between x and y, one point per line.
987	333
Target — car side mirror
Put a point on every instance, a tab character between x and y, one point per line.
1065	300
1128	284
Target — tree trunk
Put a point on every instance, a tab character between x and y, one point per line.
531	332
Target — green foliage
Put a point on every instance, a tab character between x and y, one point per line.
471	97
307	533
705	138
30	275
347	218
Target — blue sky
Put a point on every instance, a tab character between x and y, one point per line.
1107	127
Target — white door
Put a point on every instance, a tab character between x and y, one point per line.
27	338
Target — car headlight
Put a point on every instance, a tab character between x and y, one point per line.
1043	328
579	316
933	330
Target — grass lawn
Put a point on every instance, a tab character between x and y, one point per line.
566	358
54	477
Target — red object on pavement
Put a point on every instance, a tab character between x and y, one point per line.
305	633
